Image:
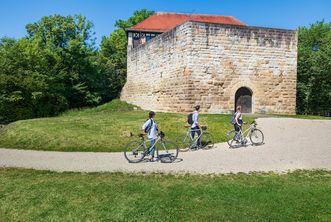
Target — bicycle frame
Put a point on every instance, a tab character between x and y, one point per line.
189	134
247	131
143	142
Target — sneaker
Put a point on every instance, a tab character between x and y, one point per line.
243	142
153	159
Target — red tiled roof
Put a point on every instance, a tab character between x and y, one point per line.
164	21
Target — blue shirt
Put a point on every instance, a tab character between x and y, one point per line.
195	118
152	134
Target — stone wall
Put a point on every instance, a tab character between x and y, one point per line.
203	63
156	78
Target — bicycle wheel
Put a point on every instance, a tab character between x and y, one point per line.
167	151
206	141
134	151
183	142
256	136
231	140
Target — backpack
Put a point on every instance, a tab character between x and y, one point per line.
149	126
190	118
233	118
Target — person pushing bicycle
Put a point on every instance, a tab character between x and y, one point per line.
156	147
188	141
150	128
195	128
238	121
237	135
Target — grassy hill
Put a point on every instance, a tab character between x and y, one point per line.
104	128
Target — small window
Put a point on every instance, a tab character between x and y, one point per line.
136	36
136	39
149	36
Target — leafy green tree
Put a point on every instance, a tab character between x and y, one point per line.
57	66
114	50
314	69
26	82
62	31
50	70
70	37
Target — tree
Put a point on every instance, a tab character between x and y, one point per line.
57	67
114	50
70	37
314	69
50	70
61	31
24	87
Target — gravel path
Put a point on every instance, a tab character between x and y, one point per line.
289	144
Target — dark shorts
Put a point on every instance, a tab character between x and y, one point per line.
237	127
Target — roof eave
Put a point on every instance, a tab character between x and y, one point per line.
144	30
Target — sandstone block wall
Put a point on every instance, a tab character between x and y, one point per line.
156	78
203	63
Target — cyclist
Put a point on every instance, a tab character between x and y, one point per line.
195	125
238	121
150	128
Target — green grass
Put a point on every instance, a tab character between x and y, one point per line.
28	195
104	128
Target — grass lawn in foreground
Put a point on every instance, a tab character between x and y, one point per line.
29	195
104	128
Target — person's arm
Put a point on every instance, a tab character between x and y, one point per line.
196	119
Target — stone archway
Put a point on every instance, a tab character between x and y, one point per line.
243	98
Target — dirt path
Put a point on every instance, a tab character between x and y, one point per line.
289	144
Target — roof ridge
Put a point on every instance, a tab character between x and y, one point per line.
181	13
164	21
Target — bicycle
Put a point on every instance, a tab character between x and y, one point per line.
186	142
166	151
235	139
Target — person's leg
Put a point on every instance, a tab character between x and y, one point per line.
192	135
199	133
239	134
236	135
152	147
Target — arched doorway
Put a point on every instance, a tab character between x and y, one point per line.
243	98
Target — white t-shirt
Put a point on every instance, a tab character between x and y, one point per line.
239	118
152	134
195	118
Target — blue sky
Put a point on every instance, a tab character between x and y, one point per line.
15	14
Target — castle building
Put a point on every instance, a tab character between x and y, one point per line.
175	61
